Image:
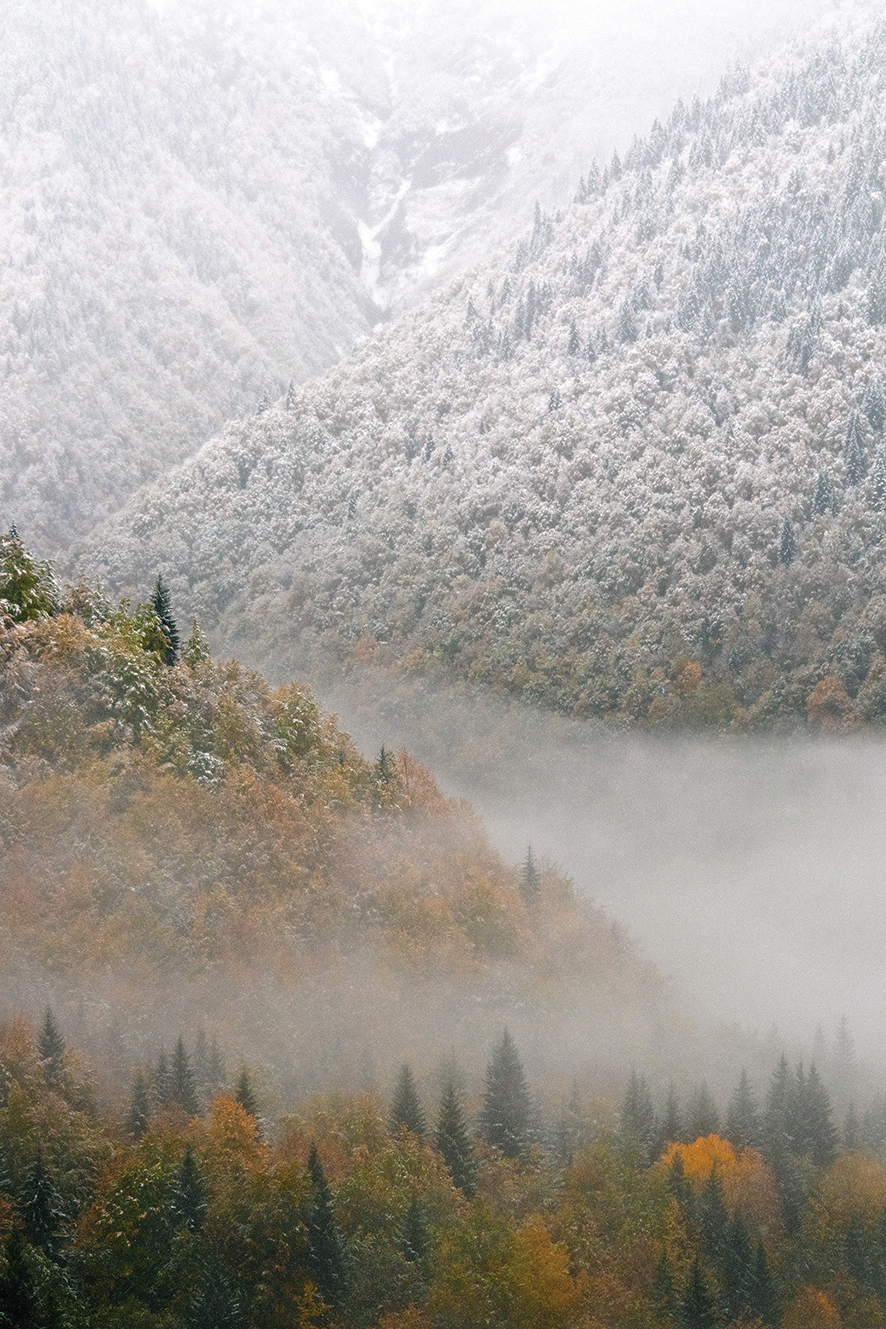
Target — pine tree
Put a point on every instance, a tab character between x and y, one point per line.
853	449
385	766
669	1129
776	1120
188	1199
245	1095
878	477
530	877
415	1239
454	1143
326	1251
27	587
738	1271
664	1291
820	1132
743	1118
406	1109
216	1305
764	1299
702	1117
823	498
18	1296
163	1091
505	1115
139	1108
183	1091
698	1310
162	606
851	1130
41	1206
637	1118
787	545
196	649
51	1047
713	1216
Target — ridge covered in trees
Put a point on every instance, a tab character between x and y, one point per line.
631	469
175	830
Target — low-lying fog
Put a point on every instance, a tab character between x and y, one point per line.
751	871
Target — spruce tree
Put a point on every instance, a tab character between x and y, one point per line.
183	1090
713	1216
51	1047
738	1271
188	1200
41	1206
505	1114
698	1310
670	1129
18	1296
637	1118
326	1251
406	1110
216	1304
743	1127
787	545
853	449
454	1143
415	1239
776	1120
139	1108
163	1081
821	1137
764	1300
162	606
823	498
702	1116
530	877
245	1094
27	587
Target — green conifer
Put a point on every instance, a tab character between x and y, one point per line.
188	1200
406	1107
41	1206
530	877
738	1271
505	1114
162	605
637	1118
163	1092
764	1301
326	1251
183	1090
698	1310
27	587
51	1047
216	1304
743	1127
702	1117
454	1143
245	1095
18	1295
139	1108
415	1240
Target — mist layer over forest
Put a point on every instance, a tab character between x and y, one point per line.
750	870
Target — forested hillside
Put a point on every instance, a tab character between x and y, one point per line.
632	469
183	844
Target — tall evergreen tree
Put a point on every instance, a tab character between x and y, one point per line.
738	1271
853	449
326	1250
415	1239
823	498
530	877
163	1088
216	1304
702	1116
51	1046
183	1090
18	1294
245	1094
821	1136
743	1118
505	1114
713	1216
776	1120
764	1300
637	1117
41	1206
27	587
406	1109
698	1310
454	1143
162	606
188	1200
139	1108
787	545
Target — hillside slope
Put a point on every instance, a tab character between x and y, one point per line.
633	468
184	844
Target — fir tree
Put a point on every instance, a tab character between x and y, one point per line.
406	1110
326	1251
664	1291
738	1271
505	1115
162	606
776	1120
787	545
698	1310
454	1143
764	1298
637	1118
713	1216
415	1240
188	1200
245	1095
163	1091
139	1108
216	1305
530	877
27	587
51	1047
196	649
743	1118
820	1133
18	1296
823	498
669	1126
702	1117
385	766
183	1090
41	1206
853	449
851	1130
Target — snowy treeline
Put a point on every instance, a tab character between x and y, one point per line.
634	466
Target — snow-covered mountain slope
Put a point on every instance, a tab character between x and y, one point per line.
201	200
632	468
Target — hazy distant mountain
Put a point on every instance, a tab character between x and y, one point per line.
634	467
199	207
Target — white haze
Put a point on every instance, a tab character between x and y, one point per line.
750	871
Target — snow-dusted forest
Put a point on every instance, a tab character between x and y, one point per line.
631	467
